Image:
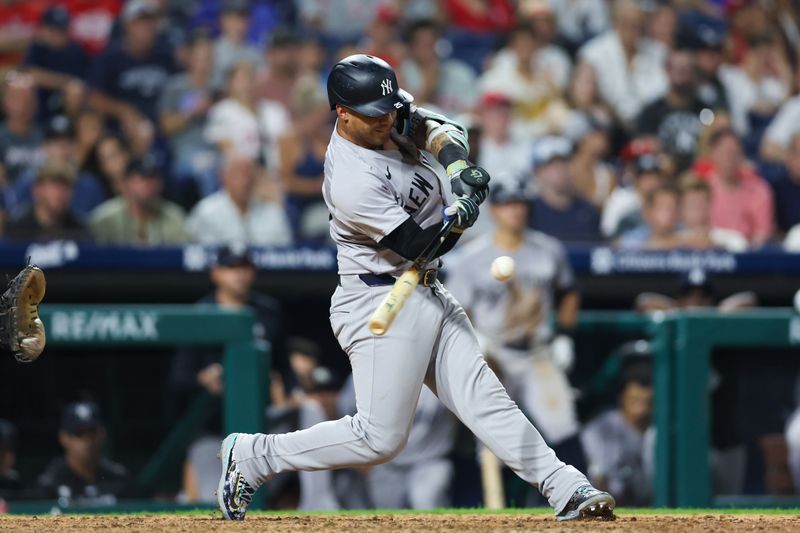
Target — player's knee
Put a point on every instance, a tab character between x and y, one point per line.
385	445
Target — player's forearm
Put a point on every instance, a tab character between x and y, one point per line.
409	240
568	309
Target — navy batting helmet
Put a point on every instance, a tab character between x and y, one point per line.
367	85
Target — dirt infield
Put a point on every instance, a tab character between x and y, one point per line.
403	522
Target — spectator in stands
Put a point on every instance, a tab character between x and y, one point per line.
275	82
501	149
302	155
674	119
58	64
83	475
50	217
338	21
184	103
623	210
707	43
740	199
785	183
233	214
139	215
18	21
781	130
594	179
662	25
59	148
92	22
629	67
10	481
480	17
20	137
586	107
696	230
129	74
661	216
231	46
89	129
448	84
550	60
242	126
759	85
382	36
557	210
580	20
621	440
517	73
109	160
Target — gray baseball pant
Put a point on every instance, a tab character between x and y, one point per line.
431	342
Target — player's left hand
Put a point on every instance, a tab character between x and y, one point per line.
21	329
466	211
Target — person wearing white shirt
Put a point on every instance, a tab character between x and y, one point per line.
233	214
629	67
243	126
780	131
580	20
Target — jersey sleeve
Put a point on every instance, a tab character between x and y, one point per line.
366	204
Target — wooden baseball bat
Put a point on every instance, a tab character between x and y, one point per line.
396	298
491	476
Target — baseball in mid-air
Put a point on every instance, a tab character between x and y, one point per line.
503	268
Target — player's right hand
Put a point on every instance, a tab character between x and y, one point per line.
466	211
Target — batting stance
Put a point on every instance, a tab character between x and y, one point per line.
387	204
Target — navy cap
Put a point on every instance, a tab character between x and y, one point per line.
55	17
234	255
324	379
647	163
147	165
695	278
241	7
80	416
549	149
506	192
705	37
59	126
8	434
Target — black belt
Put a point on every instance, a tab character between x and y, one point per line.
427	279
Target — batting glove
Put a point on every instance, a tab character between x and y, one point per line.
466	211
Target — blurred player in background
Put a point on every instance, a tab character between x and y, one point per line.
624	438
83	475
421	475
515	317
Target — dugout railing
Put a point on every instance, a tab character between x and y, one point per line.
682	346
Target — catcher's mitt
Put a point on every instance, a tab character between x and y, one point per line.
21	329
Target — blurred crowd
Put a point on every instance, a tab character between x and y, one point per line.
651	124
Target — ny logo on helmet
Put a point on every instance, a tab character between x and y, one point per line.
386	87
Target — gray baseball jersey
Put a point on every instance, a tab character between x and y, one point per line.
369	194
431	342
516	312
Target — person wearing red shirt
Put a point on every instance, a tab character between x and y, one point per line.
481	16
740	199
18	22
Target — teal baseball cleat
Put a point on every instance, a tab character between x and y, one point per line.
234	493
588	502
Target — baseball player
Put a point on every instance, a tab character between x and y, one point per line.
514	317
387	202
